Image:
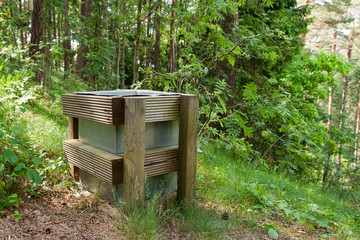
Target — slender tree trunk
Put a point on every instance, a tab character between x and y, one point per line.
357	128
26	9
81	60
55	25
118	61
172	38
343	99
66	42
37	29
148	47
223	69
123	62
13	14
157	37
47	57
106	28
21	27
330	114
137	43
307	3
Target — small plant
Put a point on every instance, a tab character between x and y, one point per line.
144	222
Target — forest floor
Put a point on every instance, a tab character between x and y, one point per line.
62	215
66	214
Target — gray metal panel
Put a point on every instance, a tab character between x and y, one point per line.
162	184
98	135
110	138
161	134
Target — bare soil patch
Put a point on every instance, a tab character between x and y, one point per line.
62	215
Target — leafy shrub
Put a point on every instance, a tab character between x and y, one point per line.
18	161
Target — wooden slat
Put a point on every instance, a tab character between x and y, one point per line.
110	109
162	108
103	109
97	162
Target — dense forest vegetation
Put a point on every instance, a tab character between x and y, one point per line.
278	83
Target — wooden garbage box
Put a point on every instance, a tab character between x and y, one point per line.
123	137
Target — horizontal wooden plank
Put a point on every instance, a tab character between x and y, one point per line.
70	104
108	166
89	96
97	162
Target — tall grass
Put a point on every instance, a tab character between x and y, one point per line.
229	181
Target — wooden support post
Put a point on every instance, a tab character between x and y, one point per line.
134	153
73	133
189	112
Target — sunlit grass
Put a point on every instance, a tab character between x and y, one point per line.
228	181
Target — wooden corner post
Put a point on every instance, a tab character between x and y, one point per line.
134	153
73	133
189	112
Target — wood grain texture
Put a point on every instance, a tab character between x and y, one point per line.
109	167
97	162
110	109
189	113
103	109
134	152
73	133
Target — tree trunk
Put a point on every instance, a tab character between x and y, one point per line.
307	3
37	29
106	28
47	56
81	60
223	70
343	99
118	61
148	47
137	43
123	62
66	43
157	37
357	128
26	9
172	37
21	27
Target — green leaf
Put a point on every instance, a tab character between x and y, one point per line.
2	167
311	227
231	60
37	161
15	141
322	222
19	167
273	234
268	226
34	176
22	109
10	156
1	134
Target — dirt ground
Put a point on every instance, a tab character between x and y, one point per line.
62	215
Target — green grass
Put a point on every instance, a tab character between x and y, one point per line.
228	181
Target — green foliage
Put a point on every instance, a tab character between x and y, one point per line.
223	179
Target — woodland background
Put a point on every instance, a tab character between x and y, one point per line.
278	83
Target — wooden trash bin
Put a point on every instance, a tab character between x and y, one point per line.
121	137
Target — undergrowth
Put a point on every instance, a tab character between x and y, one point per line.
242	186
